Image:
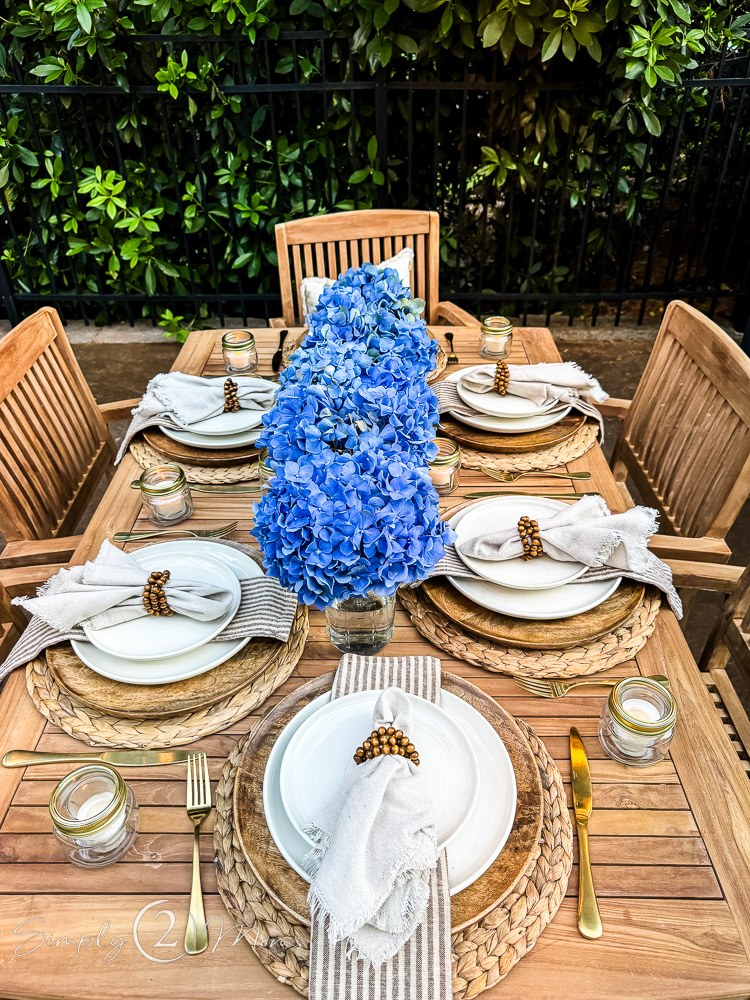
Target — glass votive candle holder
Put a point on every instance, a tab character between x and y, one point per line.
495	338
166	494
637	721
94	815
445	466
265	472
239	351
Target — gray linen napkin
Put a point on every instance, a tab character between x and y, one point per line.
380	886
610	544
265	609
562	382
176	400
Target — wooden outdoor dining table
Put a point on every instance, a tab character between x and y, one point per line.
670	844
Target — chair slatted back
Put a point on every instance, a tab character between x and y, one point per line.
53	439
326	245
686	437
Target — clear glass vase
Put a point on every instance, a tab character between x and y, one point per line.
362	624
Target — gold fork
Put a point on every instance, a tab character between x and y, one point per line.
556	689
198	807
452	358
134	536
511	477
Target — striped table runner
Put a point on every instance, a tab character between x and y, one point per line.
422	968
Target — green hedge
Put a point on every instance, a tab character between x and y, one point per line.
119	207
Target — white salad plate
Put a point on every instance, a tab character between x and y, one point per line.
538	605
488	824
151	638
509	425
320	754
494	514
214	442
500	406
169	669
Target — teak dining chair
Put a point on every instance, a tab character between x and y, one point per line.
54	445
326	245
685	436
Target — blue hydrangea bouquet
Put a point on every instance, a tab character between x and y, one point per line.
351	509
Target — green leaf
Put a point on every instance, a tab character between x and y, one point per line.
358	176
407	44
493	29
27	157
524	30
150	276
299	6
651	122
372	148
380	18
568	46
160	10
680	10
551	44
84	17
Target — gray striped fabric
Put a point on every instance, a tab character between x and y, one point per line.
422	969
453	565
266	609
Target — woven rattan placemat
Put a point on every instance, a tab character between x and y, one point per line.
533	461
99	729
483	953
146	456
621	644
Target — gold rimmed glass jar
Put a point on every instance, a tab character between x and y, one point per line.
265	472
94	815
637	721
166	494
239	352
495	338
445	466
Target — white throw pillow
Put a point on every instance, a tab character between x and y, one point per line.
312	288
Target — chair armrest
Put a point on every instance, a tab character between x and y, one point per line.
708	550
34	552
25	579
121	410
705	575
454	315
616	408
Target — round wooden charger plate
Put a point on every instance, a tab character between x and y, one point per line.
618	645
217	457
512	444
482	954
560	633
159	701
98	728
290	890
441	359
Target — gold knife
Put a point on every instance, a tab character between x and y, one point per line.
589	921
122	758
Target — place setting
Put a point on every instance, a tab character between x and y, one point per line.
209	425
170	640
455	780
539	586
514	417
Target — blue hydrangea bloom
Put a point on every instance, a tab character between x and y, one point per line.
351	507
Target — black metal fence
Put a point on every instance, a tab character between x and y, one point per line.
582	217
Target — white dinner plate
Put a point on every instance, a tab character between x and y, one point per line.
223	441
320	755
488	824
541	573
500	406
169	669
509	425
538	605
151	638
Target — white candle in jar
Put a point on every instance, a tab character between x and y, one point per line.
641	710
441	475
108	836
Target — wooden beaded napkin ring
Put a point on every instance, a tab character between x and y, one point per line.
154	598
502	377
231	403
532	543
385	741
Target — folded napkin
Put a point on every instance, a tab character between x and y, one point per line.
610	544
265	609
176	401
560	382
379	897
